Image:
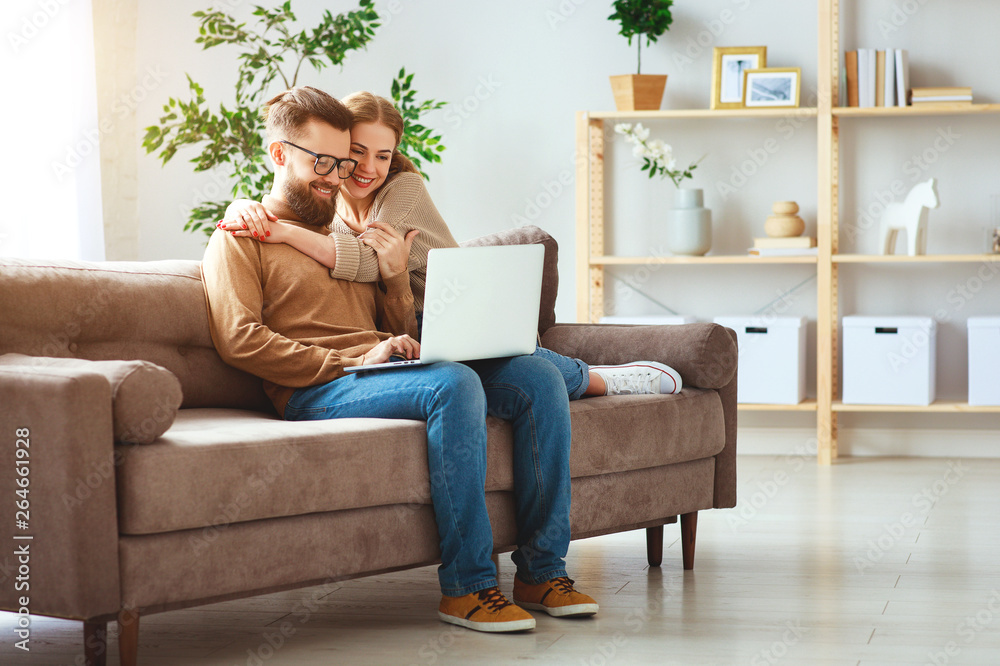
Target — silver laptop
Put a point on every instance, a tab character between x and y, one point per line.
480	302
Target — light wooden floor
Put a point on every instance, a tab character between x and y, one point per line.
870	561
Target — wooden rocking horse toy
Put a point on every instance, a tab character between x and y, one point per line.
910	215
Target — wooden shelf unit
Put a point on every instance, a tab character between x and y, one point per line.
938	406
919	259
741	259
804	406
591	259
942	109
800	112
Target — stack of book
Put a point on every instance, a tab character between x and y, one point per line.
783	247
877	78
944	94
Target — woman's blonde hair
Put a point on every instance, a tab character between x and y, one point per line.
369	108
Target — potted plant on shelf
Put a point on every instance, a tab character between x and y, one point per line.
640	18
689	223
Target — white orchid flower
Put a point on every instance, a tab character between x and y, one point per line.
659	156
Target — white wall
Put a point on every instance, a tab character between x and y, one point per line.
514	74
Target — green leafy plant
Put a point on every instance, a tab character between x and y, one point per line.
418	141
233	137
649	18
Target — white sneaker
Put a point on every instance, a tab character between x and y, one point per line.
637	378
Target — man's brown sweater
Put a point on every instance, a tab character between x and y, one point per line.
275	313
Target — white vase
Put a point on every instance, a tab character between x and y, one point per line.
689	224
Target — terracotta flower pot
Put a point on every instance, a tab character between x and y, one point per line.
638	92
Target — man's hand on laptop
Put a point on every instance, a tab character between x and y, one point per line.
401	345
392	248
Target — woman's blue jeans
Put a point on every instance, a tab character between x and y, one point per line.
454	399
574	372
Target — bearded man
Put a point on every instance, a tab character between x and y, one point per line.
276	313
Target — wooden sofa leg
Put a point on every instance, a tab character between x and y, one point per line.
95	643
689	530
128	636
654	545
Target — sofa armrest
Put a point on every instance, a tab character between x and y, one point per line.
705	355
71	567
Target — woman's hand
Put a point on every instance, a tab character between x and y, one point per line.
277	233
392	249
401	345
251	216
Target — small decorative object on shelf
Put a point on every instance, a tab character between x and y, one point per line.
640	18
784	233
729	64
994	235
689	223
877	78
992	232
910	215
769	87
785	222
953	94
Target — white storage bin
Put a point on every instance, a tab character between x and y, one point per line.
984	360
772	358
647	320
889	360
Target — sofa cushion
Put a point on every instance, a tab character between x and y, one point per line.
550	271
144	396
264	556
216	467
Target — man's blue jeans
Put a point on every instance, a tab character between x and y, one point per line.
454	399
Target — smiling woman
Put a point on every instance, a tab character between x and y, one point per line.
52	135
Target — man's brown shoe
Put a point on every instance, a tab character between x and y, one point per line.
556	597
485	610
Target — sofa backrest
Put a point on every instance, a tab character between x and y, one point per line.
550	273
153	311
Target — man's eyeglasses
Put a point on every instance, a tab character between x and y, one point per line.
325	164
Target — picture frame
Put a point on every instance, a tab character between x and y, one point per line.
728	65
772	87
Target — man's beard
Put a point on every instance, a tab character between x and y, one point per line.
311	210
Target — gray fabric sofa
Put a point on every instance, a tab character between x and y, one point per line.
232	502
